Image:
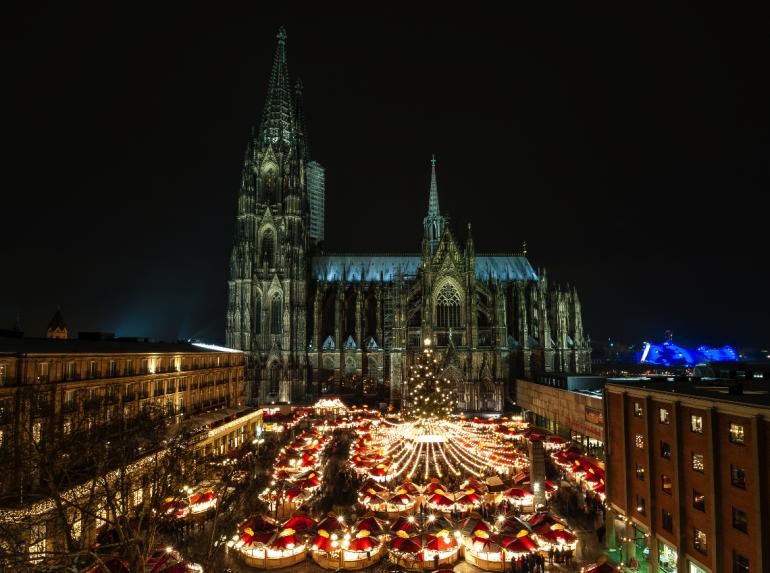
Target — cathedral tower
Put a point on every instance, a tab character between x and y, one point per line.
266	315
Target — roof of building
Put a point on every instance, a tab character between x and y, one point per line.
57	322
745	392
10	345
388	267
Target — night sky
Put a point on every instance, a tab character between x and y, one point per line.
630	151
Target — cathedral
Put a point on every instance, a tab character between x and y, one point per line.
314	323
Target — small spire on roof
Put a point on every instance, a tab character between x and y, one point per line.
524	248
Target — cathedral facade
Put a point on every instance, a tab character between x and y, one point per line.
314	323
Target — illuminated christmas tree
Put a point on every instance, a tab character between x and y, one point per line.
429	395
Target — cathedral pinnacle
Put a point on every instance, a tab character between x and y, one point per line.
433	208
278	116
433	222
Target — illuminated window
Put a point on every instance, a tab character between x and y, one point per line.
37	430
736	433
697	462
639	441
696	424
666	484
276	315
667	520
2	374
663	413
641	505
698	500
448	307
638	409
640	472
738	476
665	450
699	540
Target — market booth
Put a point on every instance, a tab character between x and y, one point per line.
423	551
357	547
493	552
265	545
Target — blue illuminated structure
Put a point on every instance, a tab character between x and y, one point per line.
669	354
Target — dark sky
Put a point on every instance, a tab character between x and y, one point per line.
630	150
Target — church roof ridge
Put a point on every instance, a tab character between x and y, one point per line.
359	254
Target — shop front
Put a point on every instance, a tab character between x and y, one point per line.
628	544
667	558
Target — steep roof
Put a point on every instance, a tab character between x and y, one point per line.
388	267
57	322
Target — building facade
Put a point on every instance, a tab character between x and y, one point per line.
312	322
567	406
56	388
688	474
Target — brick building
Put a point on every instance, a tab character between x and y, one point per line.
56	388
688	473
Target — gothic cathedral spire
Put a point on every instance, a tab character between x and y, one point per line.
278	121
433	223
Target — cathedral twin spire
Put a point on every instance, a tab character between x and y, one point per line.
278	118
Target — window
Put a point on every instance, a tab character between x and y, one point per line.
699	540
639	441
738	476
268	249
740	520
92	369
448	307
276	316
667	520
256	319
698	500
666	484
2	374
740	563
736	433
111	369
129	367
638	409
665	450
696	424
70	371
640	472
641	505
143	366
697	462
42	372
663	413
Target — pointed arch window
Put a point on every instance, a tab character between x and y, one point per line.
275	378
276	315
448	307
257	316
268	249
